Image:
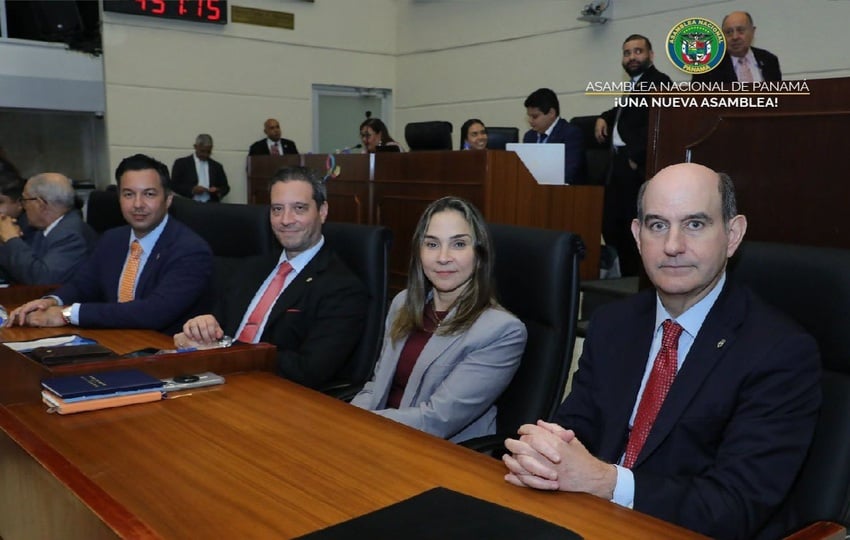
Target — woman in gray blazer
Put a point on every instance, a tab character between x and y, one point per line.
450	348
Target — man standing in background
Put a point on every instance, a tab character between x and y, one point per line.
273	144
199	176
625	128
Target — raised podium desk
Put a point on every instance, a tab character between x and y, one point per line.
258	457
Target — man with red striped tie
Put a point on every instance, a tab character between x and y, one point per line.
304	299
694	401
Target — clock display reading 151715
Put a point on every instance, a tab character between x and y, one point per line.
206	11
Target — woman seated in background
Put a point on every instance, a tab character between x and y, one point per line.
473	135
450	349
373	133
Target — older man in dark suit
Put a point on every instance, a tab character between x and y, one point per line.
712	432
153	273
61	239
742	61
303	299
199	176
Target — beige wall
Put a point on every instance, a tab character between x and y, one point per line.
166	81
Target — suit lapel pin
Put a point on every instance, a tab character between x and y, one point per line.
721	343
309	279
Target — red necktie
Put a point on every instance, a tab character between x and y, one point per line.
660	379
265	304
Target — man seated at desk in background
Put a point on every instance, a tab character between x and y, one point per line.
718	453
273	144
303	300
62	241
199	176
153	273
547	126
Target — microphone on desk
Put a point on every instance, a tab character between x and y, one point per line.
348	149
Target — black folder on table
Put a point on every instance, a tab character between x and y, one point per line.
447	515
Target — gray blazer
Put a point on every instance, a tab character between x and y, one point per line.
456	380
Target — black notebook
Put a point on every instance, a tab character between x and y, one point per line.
447	515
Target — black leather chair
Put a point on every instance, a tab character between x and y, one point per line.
231	230
436	135
365	250
537	279
597	155
812	286
103	211
498	137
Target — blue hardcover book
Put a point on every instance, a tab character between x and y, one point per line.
98	384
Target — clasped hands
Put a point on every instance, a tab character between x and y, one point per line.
547	456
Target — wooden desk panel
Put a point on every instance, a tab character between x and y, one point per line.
20	377
261	457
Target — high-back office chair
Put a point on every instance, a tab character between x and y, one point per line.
597	155
498	137
537	279
103	211
436	135
812	286
231	230
365	250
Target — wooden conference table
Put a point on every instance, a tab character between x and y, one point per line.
259	457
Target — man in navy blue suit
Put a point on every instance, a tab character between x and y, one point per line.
153	273
547	126
729	432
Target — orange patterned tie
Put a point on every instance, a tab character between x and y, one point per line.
128	277
660	379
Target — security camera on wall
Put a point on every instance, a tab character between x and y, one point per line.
593	11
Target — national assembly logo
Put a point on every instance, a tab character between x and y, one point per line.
696	45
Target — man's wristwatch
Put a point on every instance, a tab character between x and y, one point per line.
66	314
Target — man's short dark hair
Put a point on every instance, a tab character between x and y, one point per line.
543	99
638	36
141	162
320	191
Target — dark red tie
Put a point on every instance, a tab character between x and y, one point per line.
265	304
660	379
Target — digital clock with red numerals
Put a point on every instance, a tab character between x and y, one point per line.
206	11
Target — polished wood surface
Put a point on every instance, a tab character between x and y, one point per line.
260	457
393	189
787	162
